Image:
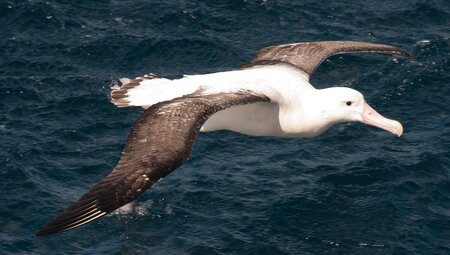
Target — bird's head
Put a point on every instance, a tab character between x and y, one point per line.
341	104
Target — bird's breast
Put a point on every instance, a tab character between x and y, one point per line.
260	119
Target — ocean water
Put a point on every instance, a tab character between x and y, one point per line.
354	190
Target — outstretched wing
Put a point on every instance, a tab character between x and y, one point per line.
159	142
308	56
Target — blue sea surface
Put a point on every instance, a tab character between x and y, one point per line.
354	190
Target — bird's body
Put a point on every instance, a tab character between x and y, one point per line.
272	96
261	119
281	83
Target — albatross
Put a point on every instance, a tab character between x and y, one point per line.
270	96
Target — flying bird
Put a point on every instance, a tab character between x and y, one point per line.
270	96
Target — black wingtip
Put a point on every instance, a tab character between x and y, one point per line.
46	231
406	54
59	225
42	232
76	215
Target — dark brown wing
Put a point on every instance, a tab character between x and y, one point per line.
159	142
308	56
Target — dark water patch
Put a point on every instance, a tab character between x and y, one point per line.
353	190
174	51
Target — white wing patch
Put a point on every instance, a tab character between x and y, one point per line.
153	91
147	90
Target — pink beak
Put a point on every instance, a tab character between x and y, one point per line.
373	118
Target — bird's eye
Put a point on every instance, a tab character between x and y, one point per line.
349	103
